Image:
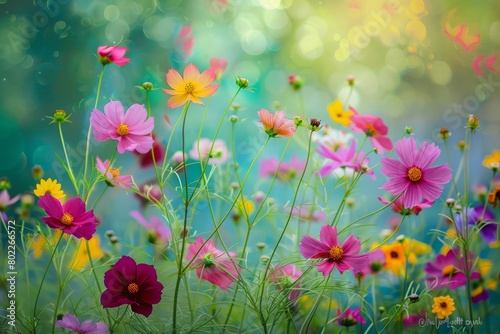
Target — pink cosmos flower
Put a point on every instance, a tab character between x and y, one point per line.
212	264
216	156
146	159
112	55
217	67
284	276
149	192
374	128
184	41
398	206
332	138
113	176
155	226
71	218
374	265
130	129
413	175
343	257
448	270
344	157
307	213
5	200
129	283
71	323
277	124
287	169
350	317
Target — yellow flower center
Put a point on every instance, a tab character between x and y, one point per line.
114	172
122	129
449	270
67	219
133	288
414	174
189	87
336	253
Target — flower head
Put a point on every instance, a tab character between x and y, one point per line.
212	264
277	124
155	225
5	200
448	270
350	317
443	306
131	129
374	128
344	157
285	171
375	264
191	87
284	276
71	218
112	55
214	153
343	257
113	176
481	217
295	81
413	175
129	283
70	322
338	115
492	161
50	187
81	257
307	213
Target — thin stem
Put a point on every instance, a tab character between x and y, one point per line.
101	75
70	170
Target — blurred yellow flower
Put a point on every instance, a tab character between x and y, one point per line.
81	258
39	243
492	161
443	306
50	187
395	257
338	115
244	206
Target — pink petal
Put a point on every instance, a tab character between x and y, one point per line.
392	167
413	196
441	174
206	78
427	155
142	308
407	151
191	72
351	245
312	248
357	261
127	267
328	235
51	205
101	126
135	116
326	266
144	128
396	186
114	113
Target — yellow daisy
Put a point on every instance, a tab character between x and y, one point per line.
338	115
443	306
492	161
81	258
50	187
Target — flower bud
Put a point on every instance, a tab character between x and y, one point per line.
461	145
147	86
408	130
264	259
114	239
351	81
109	233
444	133
37	172
295	81
261	245
242	82
401	238
413	298
233	118
59	116
299	121
235	106
259	196
314	125
450	202
473	122
4	184
27	201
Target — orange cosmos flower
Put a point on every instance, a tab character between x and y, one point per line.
190	88
276	124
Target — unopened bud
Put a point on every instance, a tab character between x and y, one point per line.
233	118
147	86
295	81
37	172
242	82
444	133
473	122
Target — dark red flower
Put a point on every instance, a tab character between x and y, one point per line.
132	284
146	159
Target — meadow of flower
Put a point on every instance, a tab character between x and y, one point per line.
326	263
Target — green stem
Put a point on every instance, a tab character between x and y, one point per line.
183	232
70	170
101	75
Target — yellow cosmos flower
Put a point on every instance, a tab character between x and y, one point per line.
338	115
39	243
398	253
49	186
81	258
492	161
443	306
245	205
190	88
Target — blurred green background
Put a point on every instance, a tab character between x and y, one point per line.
412	61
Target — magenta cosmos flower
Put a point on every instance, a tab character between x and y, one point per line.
285	276
374	128
217	67
70	322
277	124
212	264
131	129
214	153
350	317
71	218
113	176
112	55
155	226
343	257
132	284
344	157
448	270
412	176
